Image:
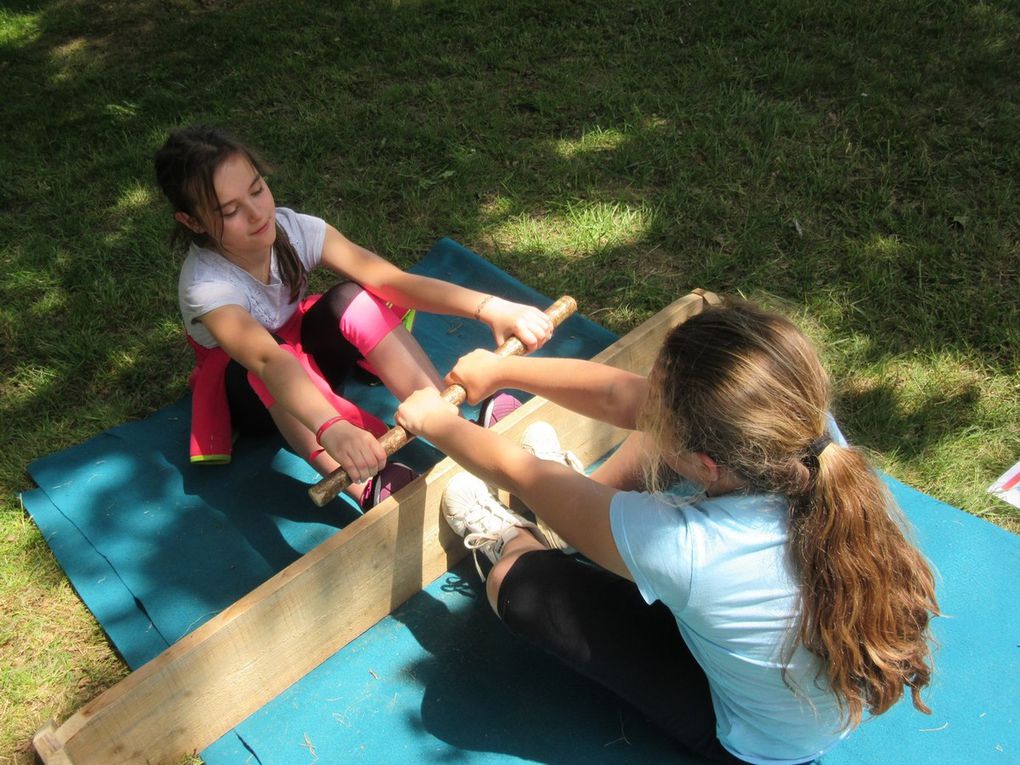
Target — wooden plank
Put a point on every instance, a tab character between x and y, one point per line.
212	679
49	745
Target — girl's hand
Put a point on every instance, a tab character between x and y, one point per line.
357	450
421	409
476	373
525	322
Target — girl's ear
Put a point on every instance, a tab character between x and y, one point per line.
710	466
189	222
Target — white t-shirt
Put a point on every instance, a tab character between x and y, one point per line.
209	281
721	566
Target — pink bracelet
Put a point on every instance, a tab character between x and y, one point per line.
326	426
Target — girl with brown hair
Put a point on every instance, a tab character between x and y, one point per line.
755	592
272	357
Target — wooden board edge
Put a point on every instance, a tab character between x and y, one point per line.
158	691
49	746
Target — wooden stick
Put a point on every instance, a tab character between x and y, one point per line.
213	678
396	437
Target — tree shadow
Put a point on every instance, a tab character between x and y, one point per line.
456	120
882	424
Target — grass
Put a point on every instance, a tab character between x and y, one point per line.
856	164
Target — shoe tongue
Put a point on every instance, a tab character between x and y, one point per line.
508	533
492	523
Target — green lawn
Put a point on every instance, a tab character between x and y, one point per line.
854	164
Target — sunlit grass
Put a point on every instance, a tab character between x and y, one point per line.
577	230
135	197
927	418
60	659
592	141
18	29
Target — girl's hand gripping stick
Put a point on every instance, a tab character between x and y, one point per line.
396	437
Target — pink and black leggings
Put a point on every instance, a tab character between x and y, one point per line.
344	325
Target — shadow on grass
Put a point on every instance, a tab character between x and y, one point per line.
625	155
881	424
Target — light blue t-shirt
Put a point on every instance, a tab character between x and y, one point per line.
721	566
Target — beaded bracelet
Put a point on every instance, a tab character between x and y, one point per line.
481	305
325	426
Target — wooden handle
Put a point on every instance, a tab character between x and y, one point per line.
396	437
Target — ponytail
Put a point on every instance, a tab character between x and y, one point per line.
292	270
867	594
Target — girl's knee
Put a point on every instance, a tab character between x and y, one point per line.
518	586
339	297
494	581
364	319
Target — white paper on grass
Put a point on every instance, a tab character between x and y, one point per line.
1007	486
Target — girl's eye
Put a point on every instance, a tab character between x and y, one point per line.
257	191
229	213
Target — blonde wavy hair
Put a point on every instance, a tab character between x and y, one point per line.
745	387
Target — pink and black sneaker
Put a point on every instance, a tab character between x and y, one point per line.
496	407
391	479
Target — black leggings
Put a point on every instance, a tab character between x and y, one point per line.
321	338
598	624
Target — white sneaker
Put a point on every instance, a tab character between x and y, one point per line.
541	440
485	523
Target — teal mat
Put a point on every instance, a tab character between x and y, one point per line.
156	546
442	681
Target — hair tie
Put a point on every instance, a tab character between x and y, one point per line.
816	447
814	451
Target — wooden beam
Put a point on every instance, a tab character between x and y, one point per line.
231	666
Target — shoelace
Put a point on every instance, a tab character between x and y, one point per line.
483	515
492	520
564	458
478	539
572	461
475	541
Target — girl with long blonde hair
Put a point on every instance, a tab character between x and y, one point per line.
755	593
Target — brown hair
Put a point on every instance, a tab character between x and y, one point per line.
185	166
745	387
